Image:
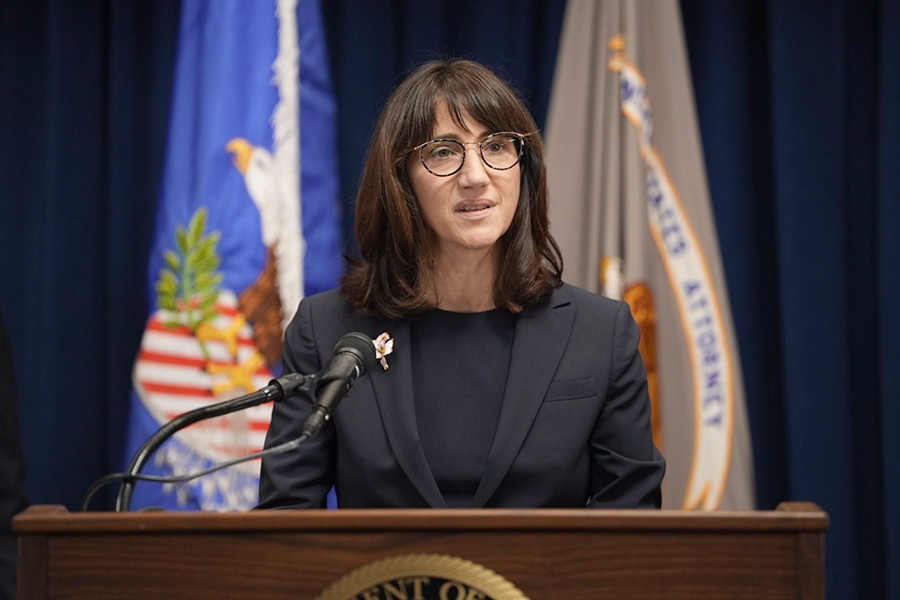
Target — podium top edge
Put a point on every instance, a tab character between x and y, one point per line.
42	519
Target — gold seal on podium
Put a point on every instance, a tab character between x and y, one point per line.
422	577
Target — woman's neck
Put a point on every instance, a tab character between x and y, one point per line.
466	283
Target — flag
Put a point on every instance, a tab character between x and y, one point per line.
630	208
236	243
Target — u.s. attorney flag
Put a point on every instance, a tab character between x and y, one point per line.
631	211
237	244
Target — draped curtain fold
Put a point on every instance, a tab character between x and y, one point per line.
84	106
799	107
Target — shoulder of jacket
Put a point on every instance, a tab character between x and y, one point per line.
329	300
584	299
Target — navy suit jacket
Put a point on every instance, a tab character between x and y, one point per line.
574	426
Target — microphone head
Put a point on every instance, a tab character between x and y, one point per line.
361	345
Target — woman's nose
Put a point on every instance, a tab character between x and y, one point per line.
473	171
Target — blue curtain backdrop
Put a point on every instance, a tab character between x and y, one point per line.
799	104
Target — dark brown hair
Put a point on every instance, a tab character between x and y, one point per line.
395	277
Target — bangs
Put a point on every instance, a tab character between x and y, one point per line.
488	114
467	91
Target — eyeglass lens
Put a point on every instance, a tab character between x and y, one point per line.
445	157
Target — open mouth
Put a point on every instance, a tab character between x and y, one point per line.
473	208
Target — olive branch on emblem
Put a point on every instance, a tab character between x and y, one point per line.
189	284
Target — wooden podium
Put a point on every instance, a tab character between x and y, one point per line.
545	554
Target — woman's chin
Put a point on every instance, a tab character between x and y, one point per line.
471	244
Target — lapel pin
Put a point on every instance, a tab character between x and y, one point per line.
384	345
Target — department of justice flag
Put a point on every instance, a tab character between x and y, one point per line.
237	244
631	211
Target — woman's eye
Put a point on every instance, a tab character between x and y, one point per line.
441	153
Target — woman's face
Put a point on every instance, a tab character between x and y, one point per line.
471	209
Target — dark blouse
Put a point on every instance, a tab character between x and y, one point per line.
460	363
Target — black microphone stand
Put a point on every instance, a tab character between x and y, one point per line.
277	390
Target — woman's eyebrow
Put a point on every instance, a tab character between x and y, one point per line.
454	136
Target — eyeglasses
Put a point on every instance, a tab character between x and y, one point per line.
499	151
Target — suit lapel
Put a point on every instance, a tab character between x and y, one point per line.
541	336
394	394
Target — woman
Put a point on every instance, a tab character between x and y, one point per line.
504	387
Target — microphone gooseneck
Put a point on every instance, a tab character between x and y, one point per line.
276	390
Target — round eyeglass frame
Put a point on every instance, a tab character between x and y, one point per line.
480	144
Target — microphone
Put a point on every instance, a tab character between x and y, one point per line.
354	355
